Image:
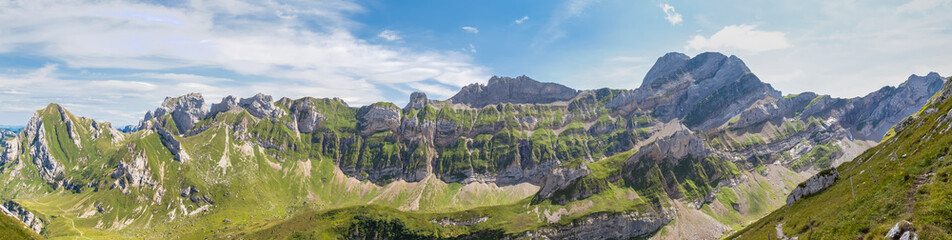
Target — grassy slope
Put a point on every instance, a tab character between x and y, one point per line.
11	228
912	172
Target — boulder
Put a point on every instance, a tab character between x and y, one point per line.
819	182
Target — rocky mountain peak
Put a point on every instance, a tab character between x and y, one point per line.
227	104
666	65
704	91
417	100
261	106
186	110
519	90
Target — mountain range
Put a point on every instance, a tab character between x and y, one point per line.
702	148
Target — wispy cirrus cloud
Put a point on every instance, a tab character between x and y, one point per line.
472	30
521	20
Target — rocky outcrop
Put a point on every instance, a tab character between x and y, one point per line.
378	117
457	222
13	209
307	118
261	106
681	144
10	152
185	110
227	104
903	230
49	168
70	126
561	178
417	101
192	194
174	146
815	184
517	90
606	226
133	172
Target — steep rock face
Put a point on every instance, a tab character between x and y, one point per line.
874	114
559	179
607	226
10	152
788	107
815	184
378	117
261	106
677	146
50	169
13	209
185	110
512	90
306	117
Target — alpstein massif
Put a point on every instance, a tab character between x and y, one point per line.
702	141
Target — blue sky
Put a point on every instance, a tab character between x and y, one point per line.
114	60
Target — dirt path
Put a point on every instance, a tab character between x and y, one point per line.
911	196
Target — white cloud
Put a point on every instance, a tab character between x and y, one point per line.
471	48
523	19
390	35
471	29
284	49
669	14
743	38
